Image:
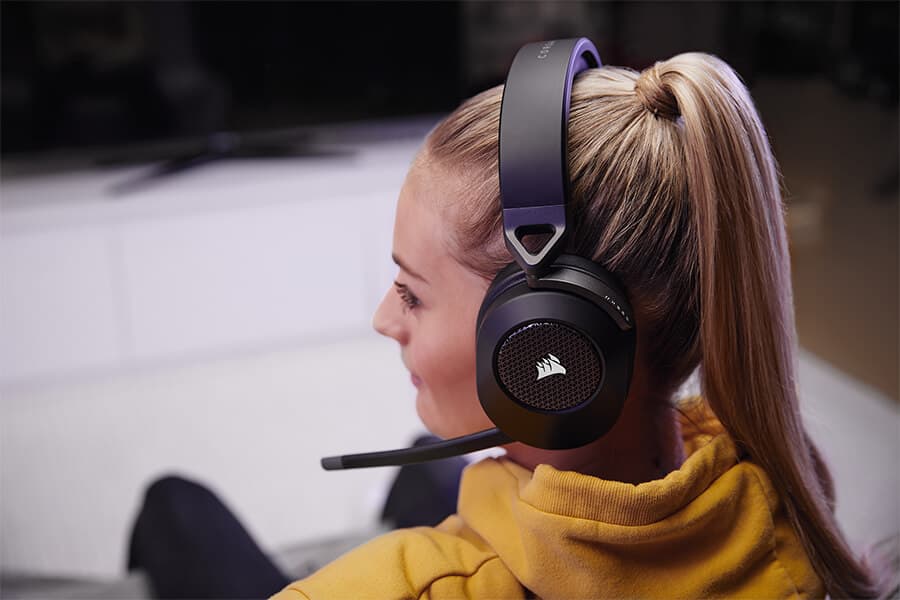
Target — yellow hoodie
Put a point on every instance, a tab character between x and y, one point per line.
713	528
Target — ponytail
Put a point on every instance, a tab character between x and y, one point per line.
747	331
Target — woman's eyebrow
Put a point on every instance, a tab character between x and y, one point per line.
403	266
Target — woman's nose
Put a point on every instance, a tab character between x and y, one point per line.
387	319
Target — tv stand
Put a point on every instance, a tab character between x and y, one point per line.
225	145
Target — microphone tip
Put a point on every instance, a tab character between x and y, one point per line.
333	463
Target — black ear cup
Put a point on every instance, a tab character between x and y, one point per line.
554	361
574	357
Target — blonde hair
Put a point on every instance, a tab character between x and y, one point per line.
674	189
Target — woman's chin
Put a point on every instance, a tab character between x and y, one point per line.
427	418
432	421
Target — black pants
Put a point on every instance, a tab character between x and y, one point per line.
191	545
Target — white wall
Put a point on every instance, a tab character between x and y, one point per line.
231	256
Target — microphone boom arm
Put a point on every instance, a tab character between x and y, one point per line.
445	449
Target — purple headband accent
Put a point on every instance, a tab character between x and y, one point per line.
578	62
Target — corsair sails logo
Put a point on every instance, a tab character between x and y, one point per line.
549	365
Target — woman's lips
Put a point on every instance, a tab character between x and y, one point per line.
415	380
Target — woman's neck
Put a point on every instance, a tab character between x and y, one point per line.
644	444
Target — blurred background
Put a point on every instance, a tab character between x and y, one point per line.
196	209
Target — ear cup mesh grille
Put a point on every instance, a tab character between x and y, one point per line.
531	361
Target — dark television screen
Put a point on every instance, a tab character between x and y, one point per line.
100	74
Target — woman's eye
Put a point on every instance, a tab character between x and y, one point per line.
408	297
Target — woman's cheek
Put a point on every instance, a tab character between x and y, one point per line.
430	367
427	356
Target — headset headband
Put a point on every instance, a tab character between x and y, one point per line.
533	154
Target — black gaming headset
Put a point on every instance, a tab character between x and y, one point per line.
555	332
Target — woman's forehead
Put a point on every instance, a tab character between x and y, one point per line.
419	228
422	233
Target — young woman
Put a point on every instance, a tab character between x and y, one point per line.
674	190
